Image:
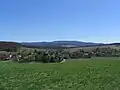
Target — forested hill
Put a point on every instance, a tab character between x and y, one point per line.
9	45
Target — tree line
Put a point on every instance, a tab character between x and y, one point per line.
58	55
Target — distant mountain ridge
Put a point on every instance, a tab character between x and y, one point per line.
60	44
54	44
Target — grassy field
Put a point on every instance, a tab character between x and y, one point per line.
93	74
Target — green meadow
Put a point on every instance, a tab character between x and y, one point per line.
81	74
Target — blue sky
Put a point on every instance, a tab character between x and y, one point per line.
50	20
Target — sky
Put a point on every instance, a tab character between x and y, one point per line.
51	20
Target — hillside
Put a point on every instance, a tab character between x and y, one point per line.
57	44
9	45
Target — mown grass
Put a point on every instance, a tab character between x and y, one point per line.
93	74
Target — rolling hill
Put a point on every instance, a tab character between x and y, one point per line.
54	44
5	44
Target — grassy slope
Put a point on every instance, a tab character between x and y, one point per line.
92	48
96	74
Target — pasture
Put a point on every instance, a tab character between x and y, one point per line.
86	74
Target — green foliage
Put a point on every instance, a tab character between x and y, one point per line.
107	52
42	56
94	74
57	55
